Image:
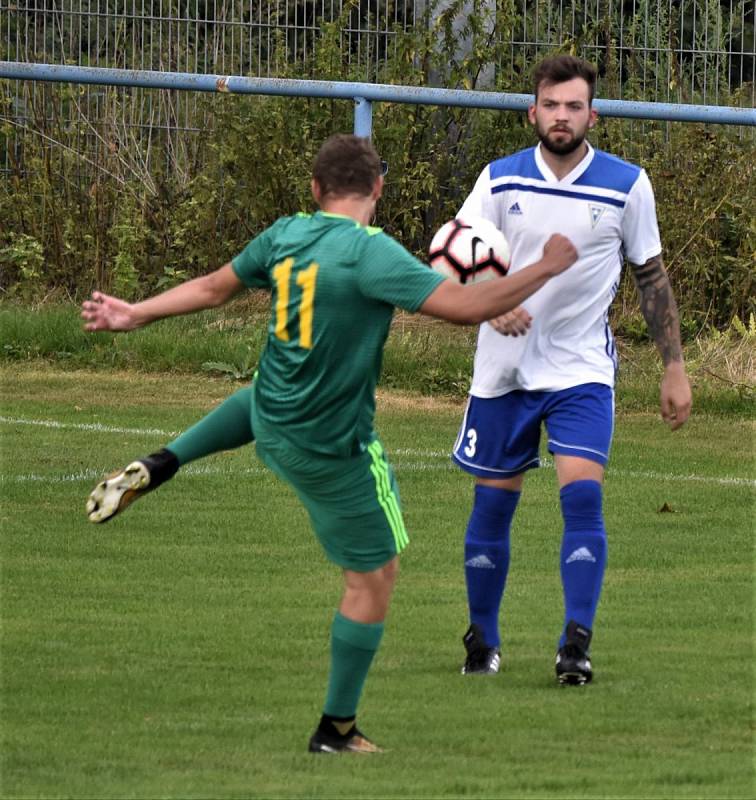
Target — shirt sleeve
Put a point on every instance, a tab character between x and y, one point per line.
640	229
478	202
250	265
389	273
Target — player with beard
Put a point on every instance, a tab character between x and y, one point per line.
560	368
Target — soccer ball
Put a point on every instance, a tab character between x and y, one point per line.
469	250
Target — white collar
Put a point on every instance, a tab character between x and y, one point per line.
571	177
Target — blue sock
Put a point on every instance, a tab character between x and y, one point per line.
583	556
487	556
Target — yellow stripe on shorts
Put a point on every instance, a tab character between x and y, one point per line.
386	496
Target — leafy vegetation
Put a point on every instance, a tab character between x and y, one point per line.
92	202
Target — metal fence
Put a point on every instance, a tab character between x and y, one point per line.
240	37
664	50
689	51
667	50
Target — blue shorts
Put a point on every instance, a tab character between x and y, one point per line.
500	436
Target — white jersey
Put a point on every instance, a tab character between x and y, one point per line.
605	206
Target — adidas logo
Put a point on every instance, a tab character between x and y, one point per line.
515	209
581	554
481	562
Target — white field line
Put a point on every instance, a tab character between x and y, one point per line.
92	475
398	464
86	426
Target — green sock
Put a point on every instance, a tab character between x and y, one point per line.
226	427
353	645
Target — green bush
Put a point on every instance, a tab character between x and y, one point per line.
133	216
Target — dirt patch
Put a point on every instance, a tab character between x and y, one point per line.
408	401
86	389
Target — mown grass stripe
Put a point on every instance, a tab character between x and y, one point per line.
547	463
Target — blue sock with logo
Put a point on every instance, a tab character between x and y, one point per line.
583	556
487	556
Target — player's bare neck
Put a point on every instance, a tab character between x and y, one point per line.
358	207
562	166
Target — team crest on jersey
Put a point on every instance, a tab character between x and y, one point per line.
596	213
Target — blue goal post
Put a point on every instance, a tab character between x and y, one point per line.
363	95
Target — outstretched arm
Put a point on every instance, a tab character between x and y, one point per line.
468	305
660	312
106	313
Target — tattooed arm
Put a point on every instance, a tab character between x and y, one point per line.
660	312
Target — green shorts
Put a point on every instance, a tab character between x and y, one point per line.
353	502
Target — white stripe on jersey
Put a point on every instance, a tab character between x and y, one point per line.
598	193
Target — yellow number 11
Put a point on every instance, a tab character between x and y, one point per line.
305	279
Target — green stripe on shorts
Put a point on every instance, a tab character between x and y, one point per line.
386	497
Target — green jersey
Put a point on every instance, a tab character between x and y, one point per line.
334	285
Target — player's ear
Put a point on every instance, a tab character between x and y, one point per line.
377	188
531	114
593	117
317	192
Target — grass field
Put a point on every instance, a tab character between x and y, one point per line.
182	650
